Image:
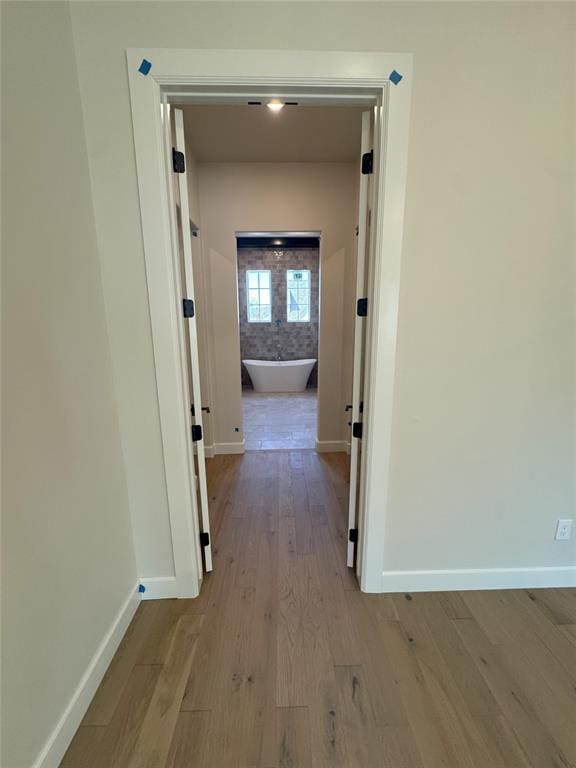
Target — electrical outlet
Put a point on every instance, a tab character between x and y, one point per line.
563	529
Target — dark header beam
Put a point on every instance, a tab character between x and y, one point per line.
278	243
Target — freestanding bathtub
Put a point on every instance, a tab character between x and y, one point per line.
279	376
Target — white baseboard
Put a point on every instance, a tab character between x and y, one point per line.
159	587
348	448
478	578
59	740
221	448
331	446
209	451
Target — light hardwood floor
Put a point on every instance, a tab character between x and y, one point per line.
282	662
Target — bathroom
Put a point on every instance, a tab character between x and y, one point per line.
278	302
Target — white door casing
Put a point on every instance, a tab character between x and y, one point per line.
161	76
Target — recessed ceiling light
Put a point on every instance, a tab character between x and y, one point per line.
275	105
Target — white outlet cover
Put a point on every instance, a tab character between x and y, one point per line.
563	529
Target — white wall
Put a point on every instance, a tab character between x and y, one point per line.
277	197
483	452
67	558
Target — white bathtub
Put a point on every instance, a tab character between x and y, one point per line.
279	376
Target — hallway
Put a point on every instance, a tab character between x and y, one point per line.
283	663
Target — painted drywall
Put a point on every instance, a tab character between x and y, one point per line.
483	452
254	197
67	553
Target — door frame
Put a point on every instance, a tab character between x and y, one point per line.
160	76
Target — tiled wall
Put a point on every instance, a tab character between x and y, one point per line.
296	341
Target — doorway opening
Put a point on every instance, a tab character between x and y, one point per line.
279	314
278	336
282	348
187	363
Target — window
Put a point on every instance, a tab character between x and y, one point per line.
258	301
298	285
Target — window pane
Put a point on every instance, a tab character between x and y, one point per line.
298	288
252	279
258	298
264	278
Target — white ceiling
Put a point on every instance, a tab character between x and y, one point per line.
228	133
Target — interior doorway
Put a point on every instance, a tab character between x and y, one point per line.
320	83
280	310
279	315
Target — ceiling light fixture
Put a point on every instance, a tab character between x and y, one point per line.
275	105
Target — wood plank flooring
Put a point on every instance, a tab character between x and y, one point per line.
283	663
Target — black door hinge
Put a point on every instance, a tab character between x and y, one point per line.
188	307
196	433
204	539
178	162
367	162
357	430
204	408
353	535
362	307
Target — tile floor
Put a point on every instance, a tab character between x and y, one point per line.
279	421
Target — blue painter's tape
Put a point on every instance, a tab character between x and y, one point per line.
141	588
145	66
395	77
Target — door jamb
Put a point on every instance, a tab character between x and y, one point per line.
158	75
